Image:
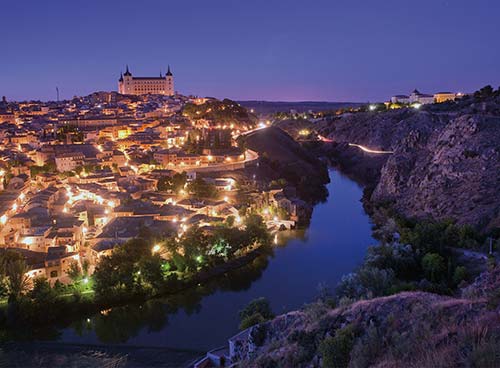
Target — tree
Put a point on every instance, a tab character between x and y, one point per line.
434	266
151	272
16	270
256	230
42	293
173	183
485	92
85	267
230	220
459	275
257	311
199	188
74	271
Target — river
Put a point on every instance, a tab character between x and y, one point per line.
333	245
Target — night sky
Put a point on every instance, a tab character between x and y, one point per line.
332	50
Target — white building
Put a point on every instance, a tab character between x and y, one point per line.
69	161
415	97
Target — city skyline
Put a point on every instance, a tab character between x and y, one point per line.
262	51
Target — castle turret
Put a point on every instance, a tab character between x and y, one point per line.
169	82
127	73
120	83
127	83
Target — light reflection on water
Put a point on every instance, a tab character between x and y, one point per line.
333	245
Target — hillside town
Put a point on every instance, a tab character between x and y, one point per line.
80	177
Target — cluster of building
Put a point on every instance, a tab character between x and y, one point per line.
416	97
80	177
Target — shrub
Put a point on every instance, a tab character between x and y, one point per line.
307	343
367	349
459	275
258	334
260	306
250	321
336	351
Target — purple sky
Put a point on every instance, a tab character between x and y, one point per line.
331	50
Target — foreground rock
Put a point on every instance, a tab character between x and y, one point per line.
410	329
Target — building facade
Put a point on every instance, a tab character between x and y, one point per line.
421	98
130	85
444	96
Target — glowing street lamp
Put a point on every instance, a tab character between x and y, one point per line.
156	248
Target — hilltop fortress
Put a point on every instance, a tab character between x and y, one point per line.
130	85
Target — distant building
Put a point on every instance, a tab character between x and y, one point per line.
400	99
422	98
444	96
130	85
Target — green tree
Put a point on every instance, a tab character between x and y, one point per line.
460	274
174	183
199	188
433	266
42	293
74	271
151	272
256	230
336	350
16	270
230	220
257	311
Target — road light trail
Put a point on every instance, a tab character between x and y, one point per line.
368	150
324	139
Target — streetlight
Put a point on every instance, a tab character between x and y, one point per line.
156	248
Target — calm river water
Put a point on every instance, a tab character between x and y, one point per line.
333	245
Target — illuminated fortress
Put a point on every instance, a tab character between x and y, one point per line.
130	85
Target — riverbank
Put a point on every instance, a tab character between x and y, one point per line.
70	308
205	315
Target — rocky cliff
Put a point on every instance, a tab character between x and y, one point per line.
410	329
287	159
446	164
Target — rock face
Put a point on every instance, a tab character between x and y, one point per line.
289	160
410	329
445	165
